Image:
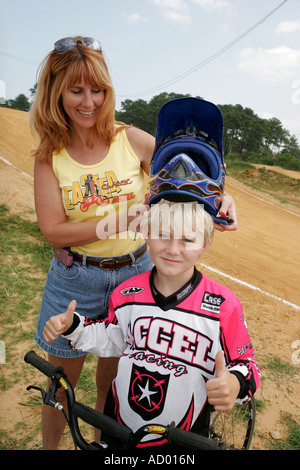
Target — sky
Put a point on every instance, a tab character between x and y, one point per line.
243	52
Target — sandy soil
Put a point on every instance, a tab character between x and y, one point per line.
260	262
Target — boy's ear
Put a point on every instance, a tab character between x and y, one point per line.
207	246
204	248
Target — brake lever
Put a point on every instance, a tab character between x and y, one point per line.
43	393
48	398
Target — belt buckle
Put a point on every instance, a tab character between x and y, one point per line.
105	261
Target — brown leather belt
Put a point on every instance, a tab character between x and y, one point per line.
111	263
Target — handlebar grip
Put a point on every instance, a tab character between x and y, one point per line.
41	364
103	422
192	440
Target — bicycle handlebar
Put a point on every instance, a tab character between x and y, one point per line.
192	440
109	425
42	365
102	422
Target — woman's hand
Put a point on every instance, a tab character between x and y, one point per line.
227	209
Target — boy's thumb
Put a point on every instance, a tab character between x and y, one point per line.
68	314
219	363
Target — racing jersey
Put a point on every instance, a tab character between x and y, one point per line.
167	348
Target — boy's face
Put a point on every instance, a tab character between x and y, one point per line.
175	256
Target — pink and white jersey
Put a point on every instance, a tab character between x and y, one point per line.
167	348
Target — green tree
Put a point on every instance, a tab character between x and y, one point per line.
33	90
245	134
275	136
253	138
292	147
20	102
143	114
135	113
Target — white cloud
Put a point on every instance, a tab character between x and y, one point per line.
174	10
133	18
215	5
288	27
273	65
179	11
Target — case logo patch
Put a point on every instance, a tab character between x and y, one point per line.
212	302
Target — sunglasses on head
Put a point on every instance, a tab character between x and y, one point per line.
66	44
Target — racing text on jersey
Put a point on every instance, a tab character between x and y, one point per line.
173	340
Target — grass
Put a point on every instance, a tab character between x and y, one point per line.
269	181
281	374
280	370
26	257
291	439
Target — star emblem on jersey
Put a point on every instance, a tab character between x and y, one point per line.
147	392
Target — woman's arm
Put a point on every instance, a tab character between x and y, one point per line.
51	214
143	145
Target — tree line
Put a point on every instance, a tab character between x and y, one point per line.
247	136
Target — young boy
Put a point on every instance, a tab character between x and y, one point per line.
181	337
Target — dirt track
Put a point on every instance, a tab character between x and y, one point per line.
263	253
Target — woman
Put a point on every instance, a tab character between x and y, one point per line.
87	167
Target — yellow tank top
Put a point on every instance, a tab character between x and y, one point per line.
91	192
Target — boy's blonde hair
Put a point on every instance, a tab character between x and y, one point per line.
181	219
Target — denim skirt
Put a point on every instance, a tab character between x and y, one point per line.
90	286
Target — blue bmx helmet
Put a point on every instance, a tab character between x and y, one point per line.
188	160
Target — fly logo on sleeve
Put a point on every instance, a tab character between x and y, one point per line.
212	302
131	290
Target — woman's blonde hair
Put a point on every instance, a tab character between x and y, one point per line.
181	219
61	70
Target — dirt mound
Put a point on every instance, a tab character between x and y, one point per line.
16	140
260	262
290	173
16	163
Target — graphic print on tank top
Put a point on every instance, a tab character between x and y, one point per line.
93	189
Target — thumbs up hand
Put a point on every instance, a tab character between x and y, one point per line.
223	390
58	324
